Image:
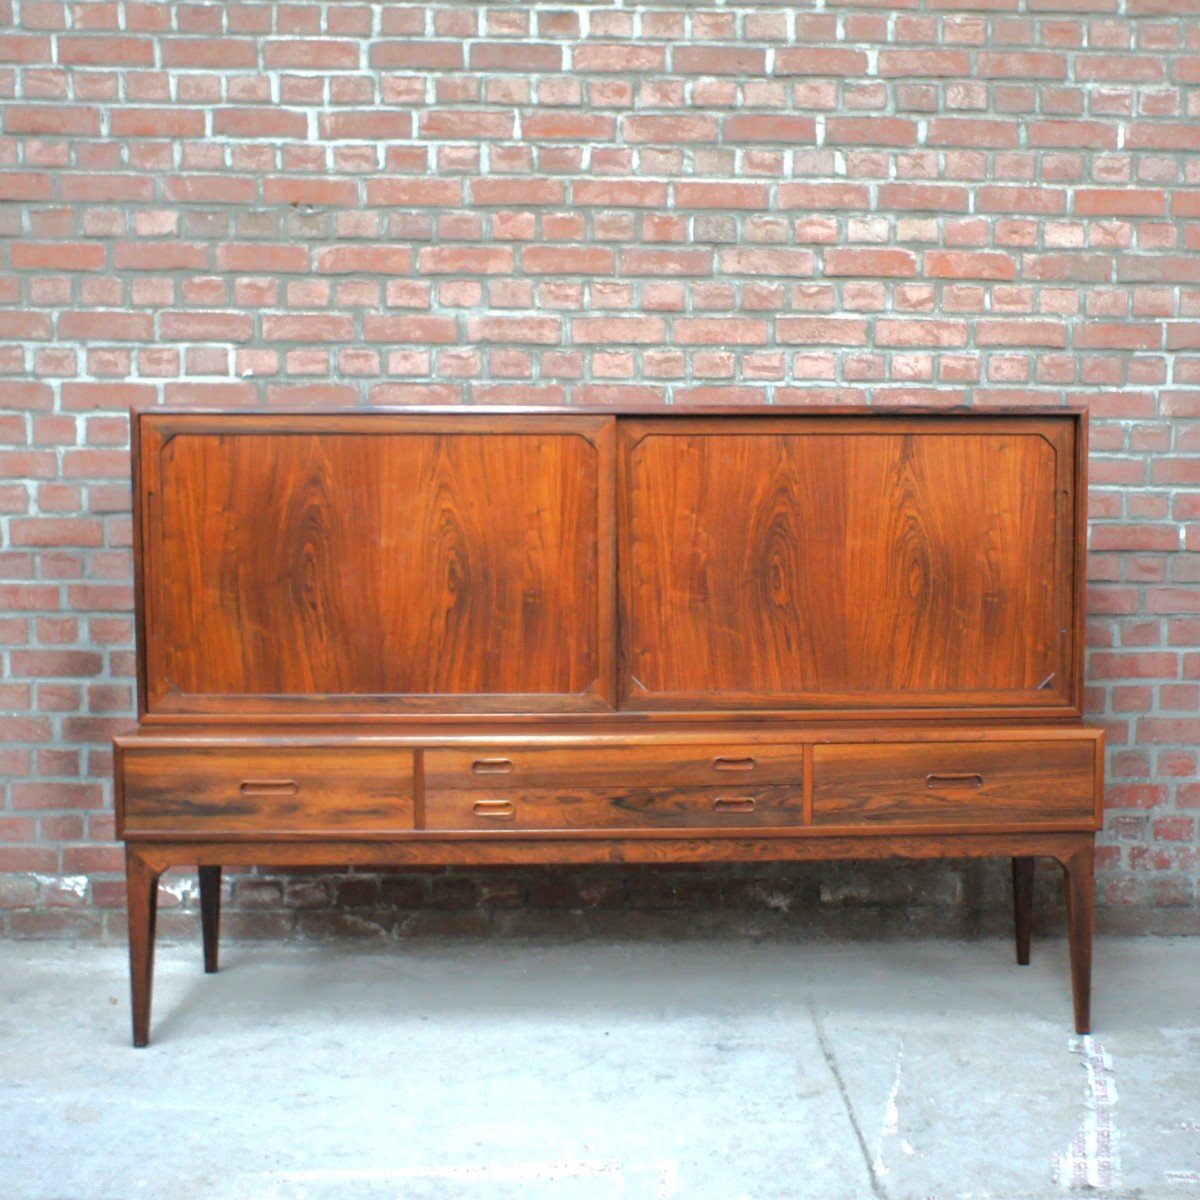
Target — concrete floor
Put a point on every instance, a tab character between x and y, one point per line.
704	1071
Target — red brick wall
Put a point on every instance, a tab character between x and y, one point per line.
986	202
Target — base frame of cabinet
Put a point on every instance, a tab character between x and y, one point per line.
148	858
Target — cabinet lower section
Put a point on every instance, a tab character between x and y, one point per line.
441	796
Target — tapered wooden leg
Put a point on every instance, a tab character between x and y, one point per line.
141	881
1081	918
210	914
1022	882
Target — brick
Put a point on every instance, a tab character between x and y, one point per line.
1015	64
1162	135
531	330
465	124
720	331
58	256
965	264
319	54
920	332
766	260
721	195
522	192
1023	200
870	131
821	331
52	120
418	55
974	131
516	56
366	125
929	197
695	127
619	58
339	193
820	60
206	326
668	263
464	260
307	327
817	196
95	51
877	261
263	257
260	123
1001	332
161	256
365	260
909	63
719	60
413	328
1120	202
620	330
765	127
568	260
218	53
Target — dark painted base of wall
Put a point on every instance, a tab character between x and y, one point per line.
971	898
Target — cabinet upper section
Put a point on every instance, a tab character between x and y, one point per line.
487	562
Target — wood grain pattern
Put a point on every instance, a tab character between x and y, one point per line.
718	763
485	849
418	569
317	790
1007	783
775	563
575	808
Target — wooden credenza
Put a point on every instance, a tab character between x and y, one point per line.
435	637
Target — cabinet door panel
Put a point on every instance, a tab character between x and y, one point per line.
378	564
858	562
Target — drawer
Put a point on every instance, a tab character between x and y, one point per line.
960	783
716	764
614	808
215	790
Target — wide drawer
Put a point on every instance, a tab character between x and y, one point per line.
954	783
712	764
614	808
236	789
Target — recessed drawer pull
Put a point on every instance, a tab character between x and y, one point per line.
492	766
269	787
495	810
952	780
734	764
738	804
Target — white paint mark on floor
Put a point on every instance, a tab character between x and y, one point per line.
890	1127
1093	1160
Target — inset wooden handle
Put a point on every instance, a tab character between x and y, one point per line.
269	787
495	810
734	764
953	780
492	766
741	804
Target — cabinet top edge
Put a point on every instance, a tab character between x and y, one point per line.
646	412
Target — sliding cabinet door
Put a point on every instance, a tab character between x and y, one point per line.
875	563
376	563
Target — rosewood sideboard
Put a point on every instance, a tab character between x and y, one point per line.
430	637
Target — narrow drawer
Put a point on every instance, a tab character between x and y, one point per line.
217	790
960	783
716	764
614	808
